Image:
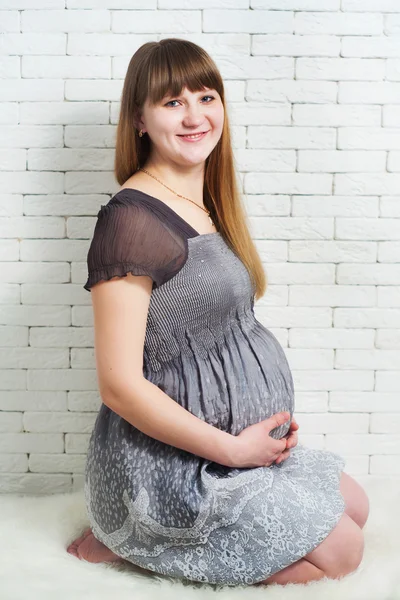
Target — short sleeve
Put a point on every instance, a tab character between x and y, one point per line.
130	238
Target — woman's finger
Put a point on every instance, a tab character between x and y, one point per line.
292	440
283	457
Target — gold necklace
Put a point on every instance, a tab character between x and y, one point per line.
180	195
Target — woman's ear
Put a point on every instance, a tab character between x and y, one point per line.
137	120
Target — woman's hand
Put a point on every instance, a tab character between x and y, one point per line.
254	447
291	441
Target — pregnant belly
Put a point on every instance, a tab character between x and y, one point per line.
259	384
241	382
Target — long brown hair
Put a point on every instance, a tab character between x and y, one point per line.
168	66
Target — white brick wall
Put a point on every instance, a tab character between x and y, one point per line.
314	96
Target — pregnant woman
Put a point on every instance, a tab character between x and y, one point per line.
193	468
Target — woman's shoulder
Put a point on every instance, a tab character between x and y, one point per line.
144	206
138	205
128	198
129	236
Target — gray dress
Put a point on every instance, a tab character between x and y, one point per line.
168	510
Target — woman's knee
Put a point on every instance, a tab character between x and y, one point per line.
356	499
342	550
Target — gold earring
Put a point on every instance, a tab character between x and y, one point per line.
141	133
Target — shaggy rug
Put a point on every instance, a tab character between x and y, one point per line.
34	564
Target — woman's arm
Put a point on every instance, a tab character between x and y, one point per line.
156	414
120	308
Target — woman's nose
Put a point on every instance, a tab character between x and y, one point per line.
193	115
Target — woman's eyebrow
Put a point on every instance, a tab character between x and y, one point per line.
180	95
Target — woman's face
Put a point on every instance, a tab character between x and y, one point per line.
176	116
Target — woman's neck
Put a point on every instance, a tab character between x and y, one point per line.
187	182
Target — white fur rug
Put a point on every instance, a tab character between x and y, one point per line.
34	564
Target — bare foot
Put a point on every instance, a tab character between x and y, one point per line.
88	548
73	547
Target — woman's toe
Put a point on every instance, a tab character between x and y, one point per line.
73	547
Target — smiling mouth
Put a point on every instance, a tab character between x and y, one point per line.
193	136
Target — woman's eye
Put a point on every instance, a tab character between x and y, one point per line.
202	99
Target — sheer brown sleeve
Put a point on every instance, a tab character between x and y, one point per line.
130	238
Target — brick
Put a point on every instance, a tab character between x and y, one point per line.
66	67
384	92
390	207
296	45
157	21
313	92
333	337
332	295
32	43
372	443
9	21
192	4
338	23
340	69
296	4
336	115
366	183
292	183
385	465
391	116
63	113
248	21
340	161
368	138
371	5
291	137
371	46
65	20
118	4
337	206
25	4
368	402
333	423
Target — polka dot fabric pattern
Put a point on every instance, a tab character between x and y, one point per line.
168	510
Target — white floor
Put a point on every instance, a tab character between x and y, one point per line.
34	564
